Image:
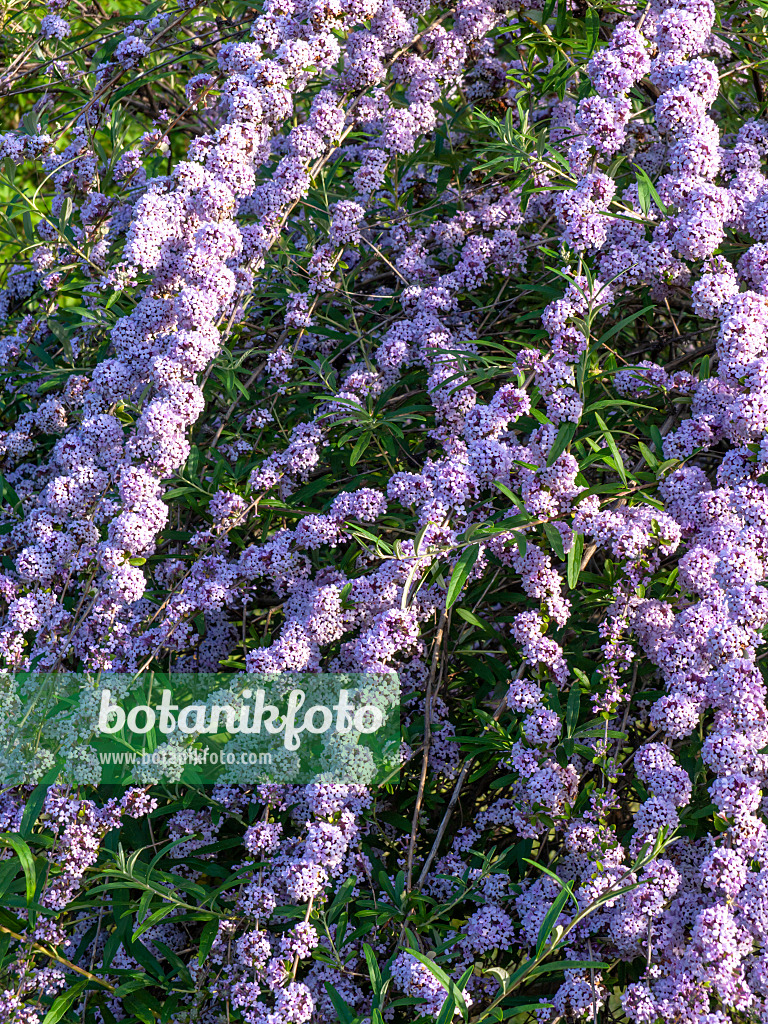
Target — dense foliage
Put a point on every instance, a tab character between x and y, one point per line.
362	336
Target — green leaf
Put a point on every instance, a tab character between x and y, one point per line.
207	937
386	885
340	899
344	1011
511	495
617	328
175	959
23	852
658	440
473	619
63	1002
374	973
400	887
646	191
158	915
555	539
193	461
563	439
562	18
501	975
66	213
648	455
131	985
572	709
574	559
613	447
8	871
566	965
35	802
8	494
460	572
447	1011
136	1002
359	450
592	23
503	527
453	990
517	1008
420	537
551	917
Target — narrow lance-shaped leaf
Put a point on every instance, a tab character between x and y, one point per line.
23	852
572	708
609	440
555	539
574	559
450	986
460	573
564	437
63	1002
551	917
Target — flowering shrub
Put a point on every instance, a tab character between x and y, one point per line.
362	336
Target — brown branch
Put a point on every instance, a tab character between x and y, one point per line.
60	959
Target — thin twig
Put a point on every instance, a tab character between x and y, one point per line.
457	790
427	738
